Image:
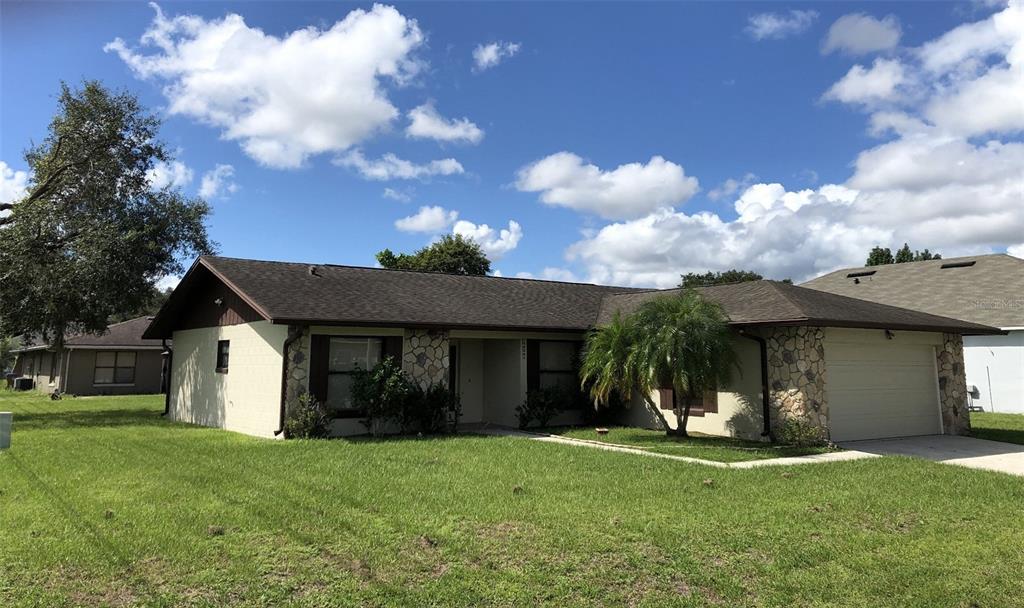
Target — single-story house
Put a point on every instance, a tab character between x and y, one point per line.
117	362
986	289
250	337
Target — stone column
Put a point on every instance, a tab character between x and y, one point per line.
796	376
297	357
956	419
425	356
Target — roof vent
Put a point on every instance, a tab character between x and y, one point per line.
863	273
314	271
959	264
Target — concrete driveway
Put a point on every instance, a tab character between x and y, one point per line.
949	449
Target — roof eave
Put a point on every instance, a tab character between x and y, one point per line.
424	325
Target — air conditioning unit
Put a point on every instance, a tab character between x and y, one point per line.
24	384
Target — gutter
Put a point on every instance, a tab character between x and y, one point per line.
168	356
765	398
292	337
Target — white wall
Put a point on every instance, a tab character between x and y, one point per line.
247	398
995	364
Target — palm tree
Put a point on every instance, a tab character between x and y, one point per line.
683	342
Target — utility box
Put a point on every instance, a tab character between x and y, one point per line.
6	419
24	384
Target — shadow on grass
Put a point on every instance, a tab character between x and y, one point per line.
1005	435
87	419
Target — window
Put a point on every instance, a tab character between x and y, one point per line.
114	368
557	365
223	348
346	355
705	404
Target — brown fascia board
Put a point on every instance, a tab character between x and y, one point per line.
399	324
979	330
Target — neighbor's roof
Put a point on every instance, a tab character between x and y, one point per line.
985	289
127	334
755	303
313	294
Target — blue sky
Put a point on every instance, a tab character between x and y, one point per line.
625	143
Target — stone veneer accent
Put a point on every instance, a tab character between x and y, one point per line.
796	376
953	385
425	356
298	365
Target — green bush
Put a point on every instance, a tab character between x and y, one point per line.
387	396
308	419
800	433
543	404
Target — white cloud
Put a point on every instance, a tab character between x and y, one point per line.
731	186
218	182
168	282
487	56
282	98
390	167
1016	251
858	34
174	174
426	123
13	184
776	26
403	195
551	273
869	85
495	243
627	191
428	219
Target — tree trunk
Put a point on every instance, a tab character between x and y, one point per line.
654	409
680	422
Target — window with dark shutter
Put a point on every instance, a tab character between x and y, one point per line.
223	352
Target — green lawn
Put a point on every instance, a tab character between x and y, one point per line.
722	449
104	503
998	427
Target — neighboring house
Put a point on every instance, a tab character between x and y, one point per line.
987	289
250	337
118	362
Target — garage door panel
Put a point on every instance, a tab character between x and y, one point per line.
881	390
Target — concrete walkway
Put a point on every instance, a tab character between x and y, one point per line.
950	449
614	447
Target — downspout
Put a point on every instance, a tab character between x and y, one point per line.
294	333
765	396
168	356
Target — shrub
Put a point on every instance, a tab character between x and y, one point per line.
543	404
434	410
800	432
387	395
308	419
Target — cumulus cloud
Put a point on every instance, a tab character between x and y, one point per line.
13	184
628	191
495	243
551	273
486	56
218	182
869	85
426	123
858	34
776	26
933	183
1016	251
174	174
428	219
390	167
731	186
282	98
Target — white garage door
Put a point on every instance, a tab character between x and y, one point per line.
878	391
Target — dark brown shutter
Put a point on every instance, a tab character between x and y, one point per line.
392	347
665	398
320	352
532	365
711	402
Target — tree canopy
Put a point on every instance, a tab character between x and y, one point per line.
879	256
91	237
453	254
696	279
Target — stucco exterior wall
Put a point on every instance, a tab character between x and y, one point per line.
81	371
246	399
995	364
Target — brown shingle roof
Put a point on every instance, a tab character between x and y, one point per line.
284	292
775	303
990	291
127	334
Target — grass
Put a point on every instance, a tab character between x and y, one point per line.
102	502
998	427
722	449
